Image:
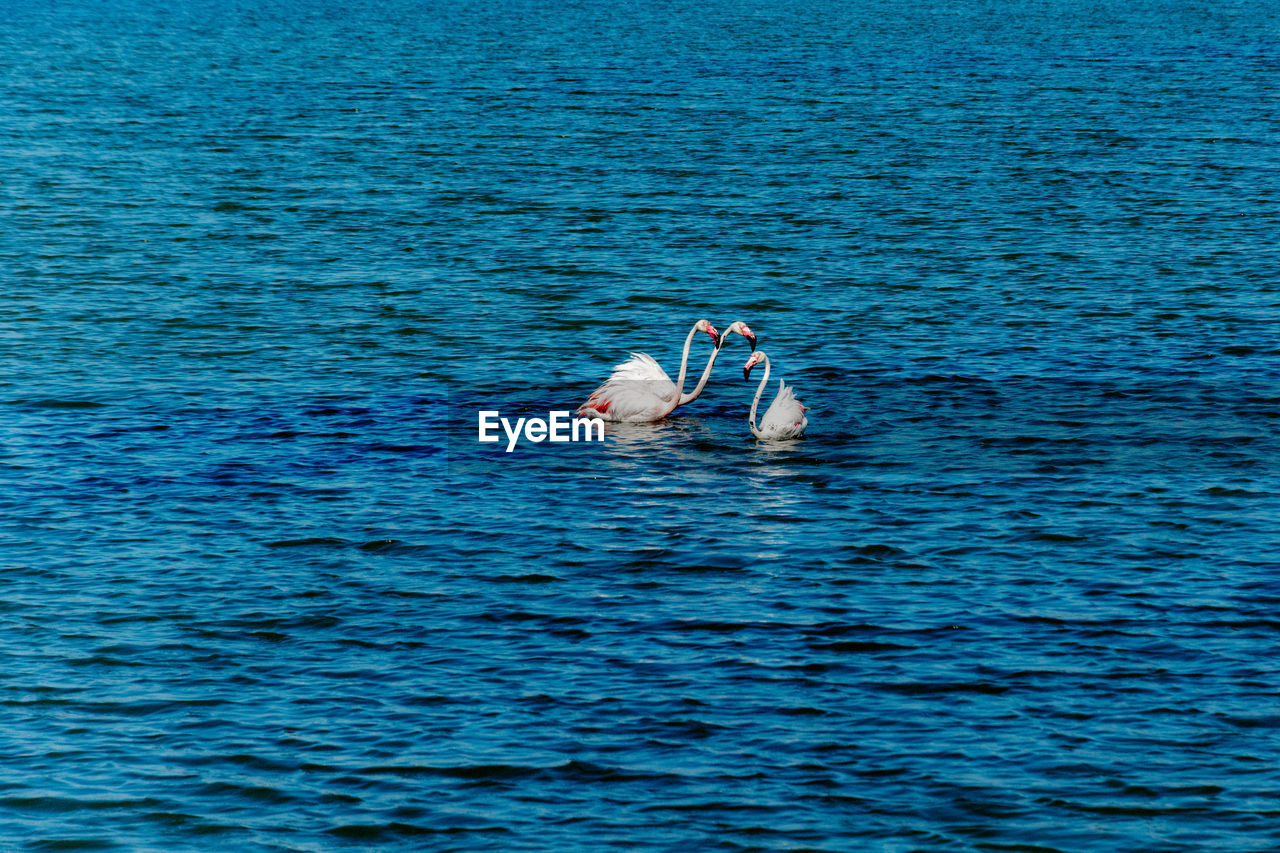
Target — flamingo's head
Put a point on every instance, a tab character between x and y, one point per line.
756	358
741	328
705	326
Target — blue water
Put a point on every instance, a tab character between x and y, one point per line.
264	262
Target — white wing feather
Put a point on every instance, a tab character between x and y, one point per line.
641	366
785	417
637	390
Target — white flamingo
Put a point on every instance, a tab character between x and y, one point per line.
639	390
785	416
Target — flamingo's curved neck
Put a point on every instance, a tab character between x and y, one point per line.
764	380
684	367
702	380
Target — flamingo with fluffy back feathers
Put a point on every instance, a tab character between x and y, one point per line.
785	416
640	391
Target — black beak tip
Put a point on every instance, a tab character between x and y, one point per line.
752	340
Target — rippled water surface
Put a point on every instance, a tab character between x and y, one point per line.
265	262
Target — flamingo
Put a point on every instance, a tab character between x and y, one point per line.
639	390
785	416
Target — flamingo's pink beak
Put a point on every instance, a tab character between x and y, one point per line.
715	336
750	336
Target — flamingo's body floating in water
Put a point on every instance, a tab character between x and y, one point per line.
640	391
785	416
